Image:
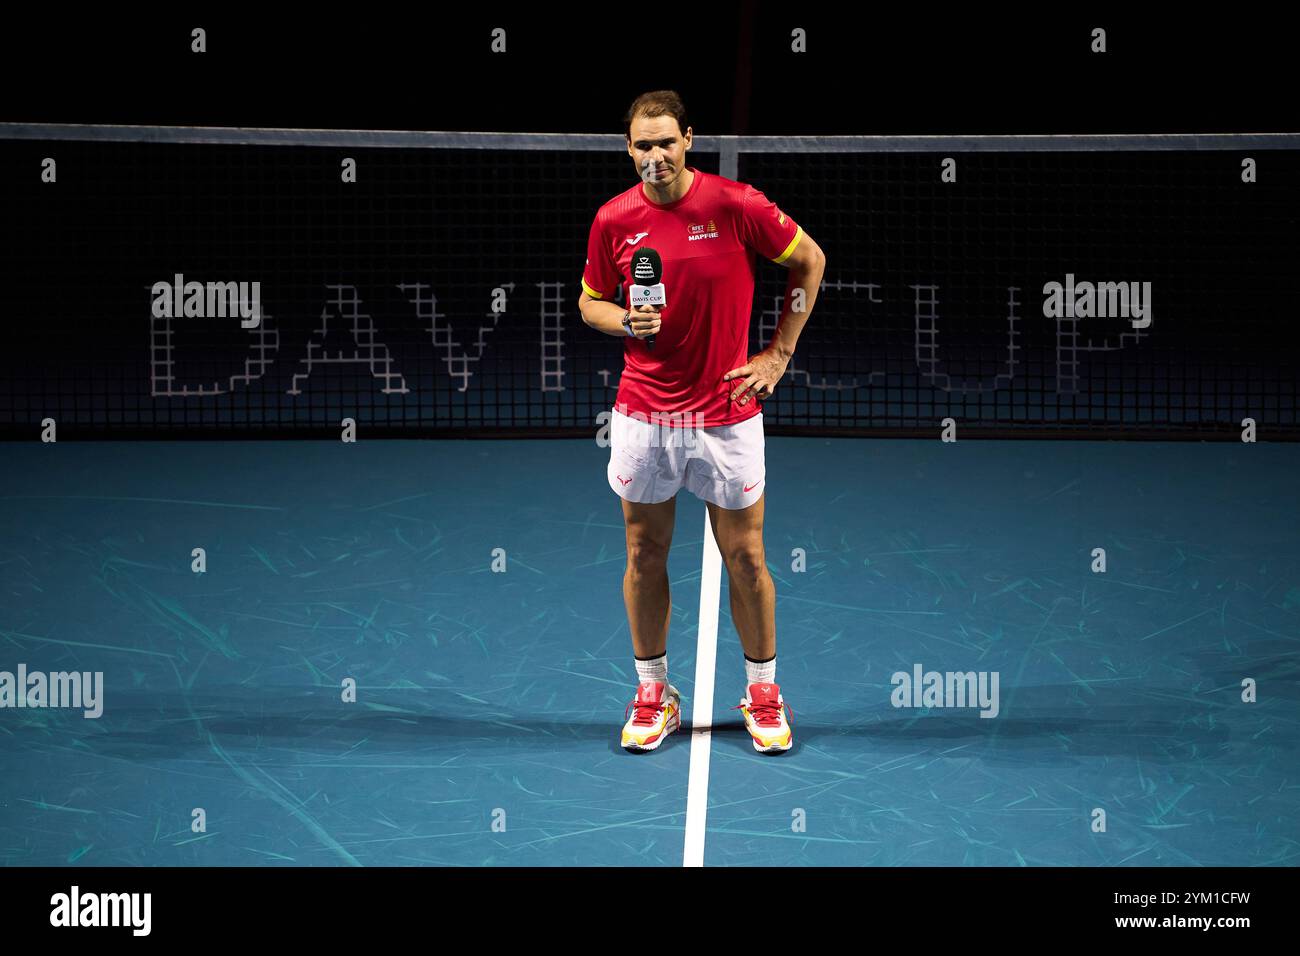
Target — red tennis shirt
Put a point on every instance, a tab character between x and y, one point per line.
709	241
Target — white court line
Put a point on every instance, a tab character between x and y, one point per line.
697	787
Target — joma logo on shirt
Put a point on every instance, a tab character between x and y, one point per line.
697	231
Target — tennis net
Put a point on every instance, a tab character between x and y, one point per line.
437	293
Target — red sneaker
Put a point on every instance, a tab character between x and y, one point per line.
765	709
656	713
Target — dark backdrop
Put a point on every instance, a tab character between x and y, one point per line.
575	67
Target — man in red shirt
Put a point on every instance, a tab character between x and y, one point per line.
688	410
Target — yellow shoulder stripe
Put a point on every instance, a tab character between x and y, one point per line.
590	291
798	234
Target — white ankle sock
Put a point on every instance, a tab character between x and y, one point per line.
654	669
760	672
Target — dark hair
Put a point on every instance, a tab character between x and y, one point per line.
658	103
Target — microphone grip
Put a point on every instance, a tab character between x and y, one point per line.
650	339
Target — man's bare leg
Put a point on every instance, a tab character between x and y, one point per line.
645	582
753	595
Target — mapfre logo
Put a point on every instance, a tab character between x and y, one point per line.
707	231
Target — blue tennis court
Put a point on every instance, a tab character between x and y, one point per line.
485	729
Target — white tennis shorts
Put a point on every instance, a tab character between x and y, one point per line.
649	462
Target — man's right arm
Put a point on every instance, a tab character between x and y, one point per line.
604	317
607	317
601	278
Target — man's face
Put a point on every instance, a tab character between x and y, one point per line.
658	147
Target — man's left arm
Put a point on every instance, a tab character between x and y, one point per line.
807	264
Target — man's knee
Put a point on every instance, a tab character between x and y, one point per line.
746	562
649	535
646	554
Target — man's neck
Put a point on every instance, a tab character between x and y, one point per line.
678	189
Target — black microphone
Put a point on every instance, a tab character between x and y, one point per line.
647	288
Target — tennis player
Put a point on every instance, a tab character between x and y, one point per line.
689	406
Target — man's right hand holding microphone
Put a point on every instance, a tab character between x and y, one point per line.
643	321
